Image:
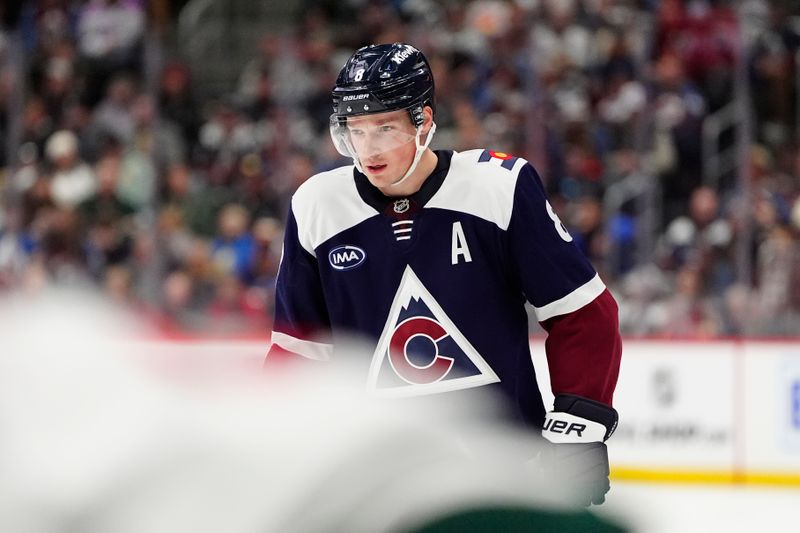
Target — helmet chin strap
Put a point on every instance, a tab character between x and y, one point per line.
420	150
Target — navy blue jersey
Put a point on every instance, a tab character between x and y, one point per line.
437	281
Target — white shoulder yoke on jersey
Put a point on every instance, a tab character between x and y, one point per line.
312	350
573	301
483	189
326	204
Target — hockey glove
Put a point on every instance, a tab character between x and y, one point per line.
577	428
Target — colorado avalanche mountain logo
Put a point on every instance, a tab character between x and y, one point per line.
346	257
421	351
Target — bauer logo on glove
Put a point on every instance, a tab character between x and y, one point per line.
564	427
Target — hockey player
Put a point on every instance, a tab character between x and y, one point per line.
432	255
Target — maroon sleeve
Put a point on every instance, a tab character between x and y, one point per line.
584	349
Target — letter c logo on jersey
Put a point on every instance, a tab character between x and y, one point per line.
421	351
426	333
346	257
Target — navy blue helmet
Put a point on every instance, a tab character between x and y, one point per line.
384	77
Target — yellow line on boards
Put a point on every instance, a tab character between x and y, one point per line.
718	477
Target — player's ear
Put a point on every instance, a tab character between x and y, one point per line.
427	122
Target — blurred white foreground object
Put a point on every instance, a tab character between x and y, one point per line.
95	438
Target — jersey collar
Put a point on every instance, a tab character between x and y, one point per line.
385	204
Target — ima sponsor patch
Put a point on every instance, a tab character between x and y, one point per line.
421	351
346	257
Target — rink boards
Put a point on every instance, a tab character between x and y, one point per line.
706	411
690	411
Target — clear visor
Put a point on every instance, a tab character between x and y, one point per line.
369	136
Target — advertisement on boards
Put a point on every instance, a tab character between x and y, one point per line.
772	406
676	405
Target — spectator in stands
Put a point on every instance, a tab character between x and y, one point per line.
236	310
679	110
46	24
227	135
582	89
234	246
777	297
688	312
61	248
151	149
156	137
110	35
586	228
701	240
256	78
113	116
178	103
57	80
73	180
105	203
772	67
37	125
179	310
107	220
118	285
775	306
559	38
621	98
16	246
175	237
268	235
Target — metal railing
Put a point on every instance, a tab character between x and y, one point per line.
719	161
219	36
18	67
797	95
641	188
195	16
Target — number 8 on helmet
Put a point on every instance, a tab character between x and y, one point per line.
380	79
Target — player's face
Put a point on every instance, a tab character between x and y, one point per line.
385	145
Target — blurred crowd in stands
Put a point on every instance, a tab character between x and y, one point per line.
171	197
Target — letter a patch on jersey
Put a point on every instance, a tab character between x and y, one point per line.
421	351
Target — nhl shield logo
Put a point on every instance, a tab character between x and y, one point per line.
421	351
401	206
